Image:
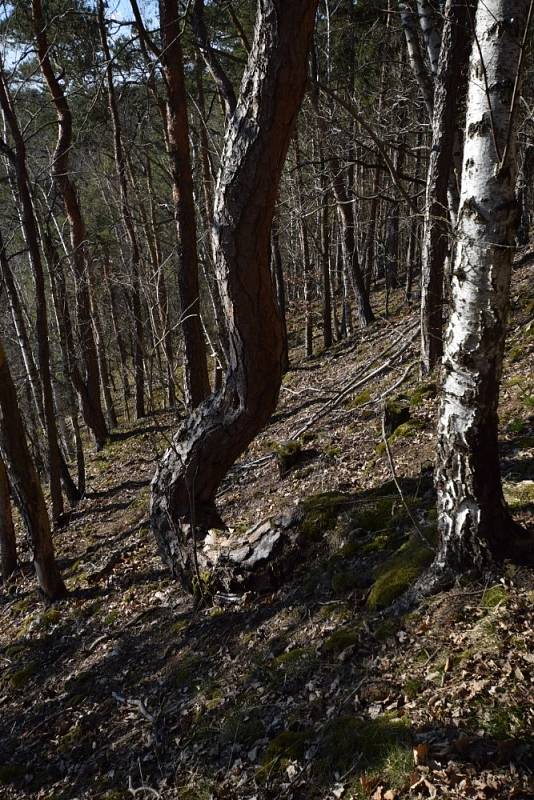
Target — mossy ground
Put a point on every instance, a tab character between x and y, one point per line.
133	682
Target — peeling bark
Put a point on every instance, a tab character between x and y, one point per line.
474	523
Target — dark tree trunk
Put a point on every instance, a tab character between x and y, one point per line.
350	250
92	409
197	385
280	288
8	542
187	480
29	224
25	485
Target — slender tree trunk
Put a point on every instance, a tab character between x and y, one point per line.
280	288
256	142
450	84
306	261
197	386
350	250
126	213
93	413
25	485
30	230
8	542
474	522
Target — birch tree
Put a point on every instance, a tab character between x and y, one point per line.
474	522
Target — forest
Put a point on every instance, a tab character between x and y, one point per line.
266	399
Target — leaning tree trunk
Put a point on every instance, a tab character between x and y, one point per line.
92	408
450	84
474	522
255	147
25	485
8	542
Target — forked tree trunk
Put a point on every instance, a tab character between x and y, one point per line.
25	485
8	543
255	147
474	522
450	84
92	409
197	385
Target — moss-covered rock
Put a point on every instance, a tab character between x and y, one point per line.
340	640
359	399
288	454
400	570
396	413
404	431
494	596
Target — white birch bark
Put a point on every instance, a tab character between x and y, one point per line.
474	523
431	33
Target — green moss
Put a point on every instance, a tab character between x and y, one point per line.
20	678
422	392
519	495
9	773
287	746
15	650
358	400
320	513
404	431
287	454
412	688
516	425
70	739
332	451
243	725
111	618
385	630
495	596
396	414
50	617
22	605
515	353
400	570
340	640
185	672
381	745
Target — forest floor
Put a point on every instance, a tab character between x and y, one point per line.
125	689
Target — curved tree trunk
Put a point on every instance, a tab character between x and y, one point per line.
256	142
25	485
93	414
474	521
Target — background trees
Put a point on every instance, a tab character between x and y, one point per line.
137	212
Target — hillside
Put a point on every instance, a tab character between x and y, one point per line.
315	690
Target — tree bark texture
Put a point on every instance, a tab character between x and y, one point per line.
197	385
474	522
255	147
25	485
450	84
